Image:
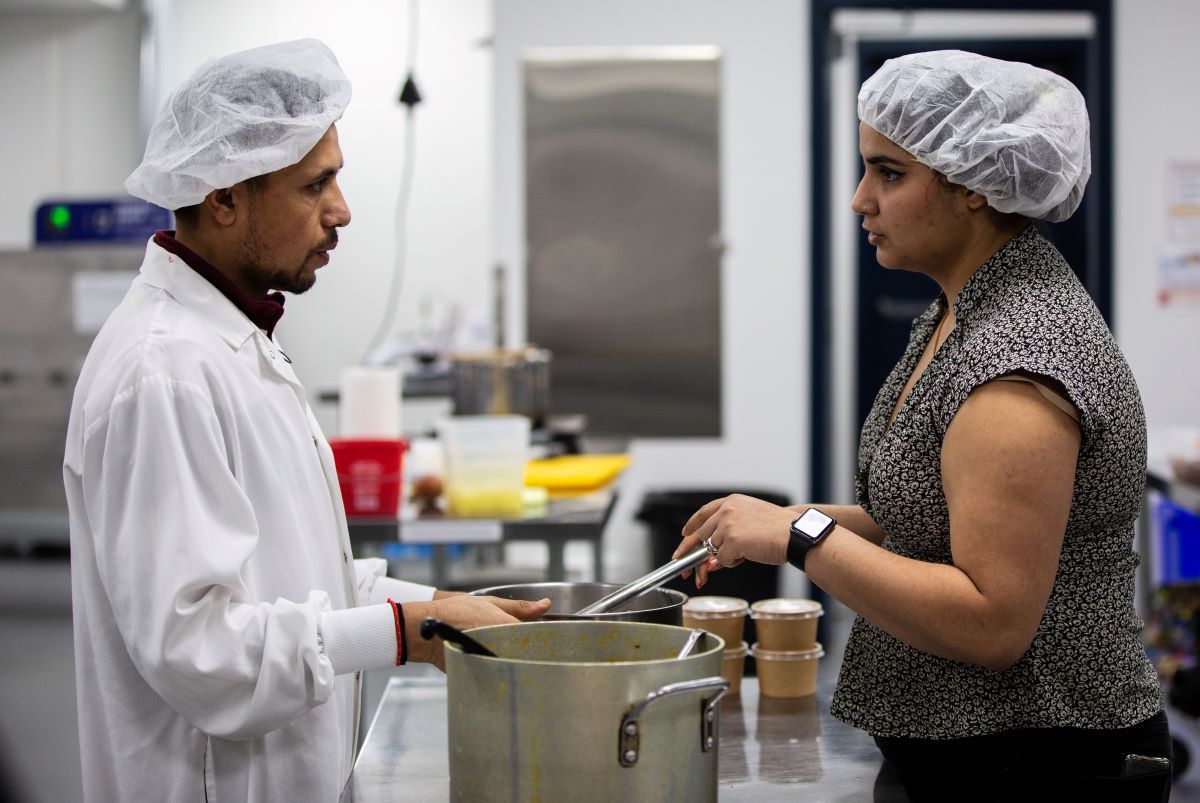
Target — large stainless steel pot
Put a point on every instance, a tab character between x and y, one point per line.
584	711
662	606
502	382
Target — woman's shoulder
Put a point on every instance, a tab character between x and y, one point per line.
1035	316
1034	298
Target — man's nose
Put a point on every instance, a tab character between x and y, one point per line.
338	212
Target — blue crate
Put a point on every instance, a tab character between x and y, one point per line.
394	551
1176	533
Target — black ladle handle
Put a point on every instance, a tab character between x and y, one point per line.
432	628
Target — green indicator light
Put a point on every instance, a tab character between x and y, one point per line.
60	216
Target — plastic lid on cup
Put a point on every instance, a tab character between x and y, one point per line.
780	655
715	607
784	608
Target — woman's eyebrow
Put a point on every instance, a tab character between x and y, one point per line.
882	159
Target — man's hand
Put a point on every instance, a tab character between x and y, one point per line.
463	612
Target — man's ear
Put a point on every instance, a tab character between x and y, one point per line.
222	206
975	201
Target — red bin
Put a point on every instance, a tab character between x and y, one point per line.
370	474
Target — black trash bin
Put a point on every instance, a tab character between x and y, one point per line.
667	511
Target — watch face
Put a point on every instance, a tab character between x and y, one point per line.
812	523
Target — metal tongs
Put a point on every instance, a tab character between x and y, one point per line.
652	580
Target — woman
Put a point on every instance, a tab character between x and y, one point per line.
989	556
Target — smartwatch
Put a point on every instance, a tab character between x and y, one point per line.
809	528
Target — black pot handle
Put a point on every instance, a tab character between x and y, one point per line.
432	628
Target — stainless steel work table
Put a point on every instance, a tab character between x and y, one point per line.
580	518
771	748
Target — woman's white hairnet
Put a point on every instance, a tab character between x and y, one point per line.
240	116
1014	133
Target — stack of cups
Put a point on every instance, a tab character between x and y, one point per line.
724	617
787	651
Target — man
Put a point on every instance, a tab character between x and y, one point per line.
220	620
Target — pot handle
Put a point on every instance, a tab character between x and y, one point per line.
630	734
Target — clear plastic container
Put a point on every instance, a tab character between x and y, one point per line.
786	624
485	463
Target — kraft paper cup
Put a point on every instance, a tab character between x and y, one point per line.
721	616
733	664
787	673
786	625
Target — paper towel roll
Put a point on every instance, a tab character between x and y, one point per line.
370	403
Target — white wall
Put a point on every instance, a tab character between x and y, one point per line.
68	91
1157	120
764	215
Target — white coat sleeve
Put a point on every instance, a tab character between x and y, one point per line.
374	586
173	528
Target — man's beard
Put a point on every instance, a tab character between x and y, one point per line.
256	263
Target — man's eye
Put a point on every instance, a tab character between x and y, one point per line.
318	186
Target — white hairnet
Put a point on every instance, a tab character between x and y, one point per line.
1014	133
240	116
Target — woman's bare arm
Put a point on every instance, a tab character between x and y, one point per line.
1008	468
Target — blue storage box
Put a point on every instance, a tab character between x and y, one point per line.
1176	532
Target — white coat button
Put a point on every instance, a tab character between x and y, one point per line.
271	354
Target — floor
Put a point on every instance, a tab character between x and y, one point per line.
39	740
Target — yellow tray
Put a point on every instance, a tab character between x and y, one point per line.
575	472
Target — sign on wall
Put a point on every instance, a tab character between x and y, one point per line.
1179	264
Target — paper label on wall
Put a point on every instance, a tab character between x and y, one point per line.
1179	262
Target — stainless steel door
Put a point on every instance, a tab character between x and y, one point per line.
623	228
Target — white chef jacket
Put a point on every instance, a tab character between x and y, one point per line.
213	585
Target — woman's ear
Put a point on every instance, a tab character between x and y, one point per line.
974	200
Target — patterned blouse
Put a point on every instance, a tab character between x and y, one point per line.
1022	311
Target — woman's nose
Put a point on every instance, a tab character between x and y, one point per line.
861	203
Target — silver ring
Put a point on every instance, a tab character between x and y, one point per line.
708	544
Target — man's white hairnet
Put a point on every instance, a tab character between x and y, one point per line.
240	116
1014	133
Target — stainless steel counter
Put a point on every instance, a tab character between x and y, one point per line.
579	518
771	748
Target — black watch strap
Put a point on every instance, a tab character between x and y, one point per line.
807	530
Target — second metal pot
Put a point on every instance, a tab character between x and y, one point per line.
502	382
662	606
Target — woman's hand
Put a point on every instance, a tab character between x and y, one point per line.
739	528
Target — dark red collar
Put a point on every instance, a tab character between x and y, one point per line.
263	313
